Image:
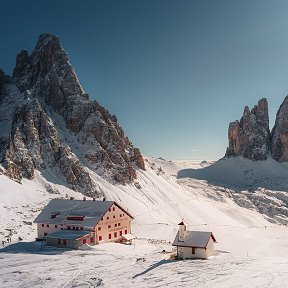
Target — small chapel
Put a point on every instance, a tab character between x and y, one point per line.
193	244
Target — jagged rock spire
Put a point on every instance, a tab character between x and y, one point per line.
279	141
250	137
49	87
2	83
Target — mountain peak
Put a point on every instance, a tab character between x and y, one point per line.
46	38
48	43
250	137
64	130
47	55
280	133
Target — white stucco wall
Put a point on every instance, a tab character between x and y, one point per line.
210	247
48	228
202	253
51	228
113	224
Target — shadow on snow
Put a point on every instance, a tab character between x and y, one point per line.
241	174
32	248
153	266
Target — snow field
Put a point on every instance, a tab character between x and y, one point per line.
252	251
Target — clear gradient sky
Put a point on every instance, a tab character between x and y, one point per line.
174	72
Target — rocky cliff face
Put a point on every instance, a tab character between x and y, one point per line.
279	147
250	137
2	83
50	124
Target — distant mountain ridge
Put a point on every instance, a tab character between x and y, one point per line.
48	123
251	137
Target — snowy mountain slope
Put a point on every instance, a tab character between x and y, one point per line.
248	244
259	185
48	123
240	173
160	198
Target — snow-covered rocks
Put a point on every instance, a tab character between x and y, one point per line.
53	125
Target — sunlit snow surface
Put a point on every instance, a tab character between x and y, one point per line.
252	251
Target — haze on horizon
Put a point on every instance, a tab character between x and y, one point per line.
175	73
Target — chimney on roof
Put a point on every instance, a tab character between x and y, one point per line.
182	231
84	198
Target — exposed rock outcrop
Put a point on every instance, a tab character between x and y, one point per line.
2	83
54	125
35	144
250	137
21	72
279	147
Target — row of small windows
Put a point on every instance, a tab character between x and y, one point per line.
74	228
107	218
79	228
91	239
68	227
109	226
115	234
113	209
84	241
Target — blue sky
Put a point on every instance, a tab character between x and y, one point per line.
175	73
